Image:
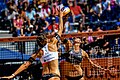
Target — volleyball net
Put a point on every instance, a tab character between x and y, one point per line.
103	51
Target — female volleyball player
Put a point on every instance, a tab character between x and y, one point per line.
75	57
47	53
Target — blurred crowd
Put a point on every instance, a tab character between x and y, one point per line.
31	17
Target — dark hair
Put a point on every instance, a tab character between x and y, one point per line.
40	39
65	41
41	36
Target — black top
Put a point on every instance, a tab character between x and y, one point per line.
74	57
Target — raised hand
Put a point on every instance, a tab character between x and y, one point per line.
61	13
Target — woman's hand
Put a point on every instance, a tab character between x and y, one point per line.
8	77
61	14
107	70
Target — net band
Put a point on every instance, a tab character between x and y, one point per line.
83	34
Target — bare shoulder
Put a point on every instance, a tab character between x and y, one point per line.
53	40
84	54
40	53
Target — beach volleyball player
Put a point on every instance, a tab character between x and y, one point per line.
70	66
48	53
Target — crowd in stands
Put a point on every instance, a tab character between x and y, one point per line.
30	17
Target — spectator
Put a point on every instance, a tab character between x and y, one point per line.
23	31
42	23
67	27
77	12
30	30
45	9
89	38
96	11
22	13
106	5
30	13
114	11
34	4
108	10
39	12
118	2
55	9
11	11
99	29
24	5
38	29
53	27
84	5
104	45
59	4
18	23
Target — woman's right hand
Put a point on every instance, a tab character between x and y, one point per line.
61	14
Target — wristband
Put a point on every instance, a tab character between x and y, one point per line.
13	74
101	67
31	59
57	37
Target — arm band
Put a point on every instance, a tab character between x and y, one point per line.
13	74
57	37
31	59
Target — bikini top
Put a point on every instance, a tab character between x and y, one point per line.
48	55
75	57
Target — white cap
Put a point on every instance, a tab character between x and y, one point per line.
39	6
53	18
31	26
